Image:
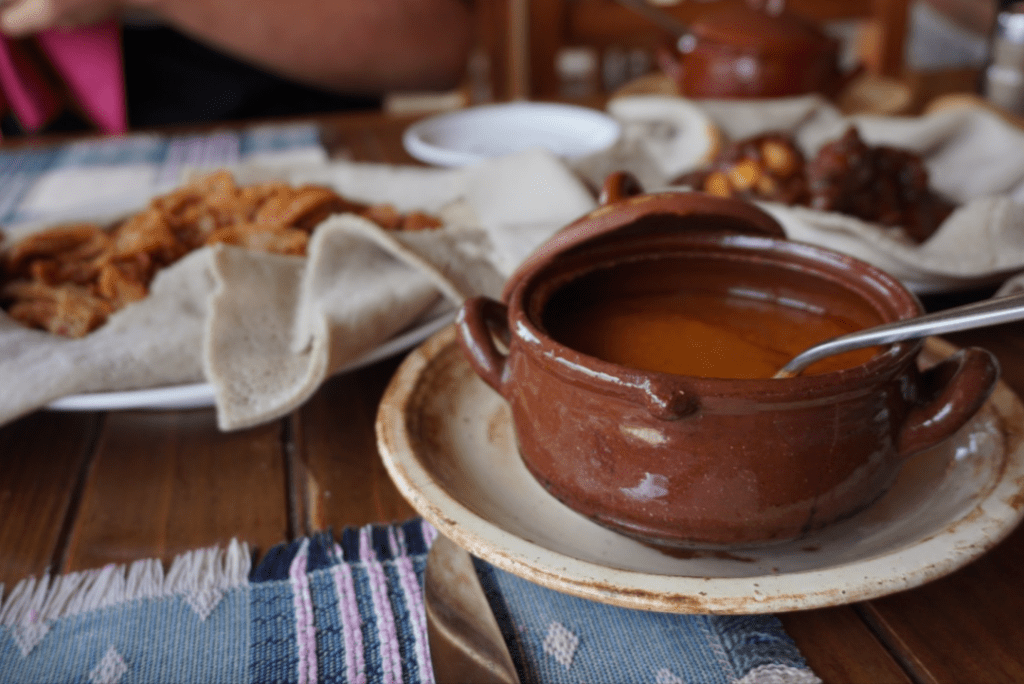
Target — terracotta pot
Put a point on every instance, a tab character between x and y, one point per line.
741	52
678	460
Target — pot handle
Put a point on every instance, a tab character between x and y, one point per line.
479	319
953	391
666	400
619	185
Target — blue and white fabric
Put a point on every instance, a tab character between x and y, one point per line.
120	173
349	608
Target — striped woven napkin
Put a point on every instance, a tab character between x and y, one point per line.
349	608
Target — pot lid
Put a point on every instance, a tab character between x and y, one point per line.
745	27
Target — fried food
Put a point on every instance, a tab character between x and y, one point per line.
765	167
882	184
71	278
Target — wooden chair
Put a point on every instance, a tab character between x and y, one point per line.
540	31
496	69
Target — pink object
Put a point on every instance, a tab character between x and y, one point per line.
305	630
351	622
88	59
24	87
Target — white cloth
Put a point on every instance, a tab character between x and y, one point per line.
266	330
974	157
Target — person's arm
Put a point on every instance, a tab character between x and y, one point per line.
355	46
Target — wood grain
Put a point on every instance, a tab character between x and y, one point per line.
830	636
42	461
966	627
344	480
367	137
164	482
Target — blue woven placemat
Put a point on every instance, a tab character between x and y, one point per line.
349	608
75	180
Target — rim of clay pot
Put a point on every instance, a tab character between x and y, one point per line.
582	368
628	215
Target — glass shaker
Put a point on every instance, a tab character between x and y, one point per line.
1004	76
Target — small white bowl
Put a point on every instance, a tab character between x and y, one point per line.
469	136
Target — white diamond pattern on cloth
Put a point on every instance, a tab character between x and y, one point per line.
27	635
110	669
560	644
203	601
666	676
776	673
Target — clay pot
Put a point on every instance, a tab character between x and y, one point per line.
742	52
678	460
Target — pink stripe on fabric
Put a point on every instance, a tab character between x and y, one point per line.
410	585
417	613
396	540
302	601
429	533
391	659
351	623
89	60
25	89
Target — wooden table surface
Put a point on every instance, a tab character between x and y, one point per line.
80	490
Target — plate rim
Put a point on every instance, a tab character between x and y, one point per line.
766	593
418	147
203	395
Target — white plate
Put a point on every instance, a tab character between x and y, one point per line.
469	136
201	395
446	440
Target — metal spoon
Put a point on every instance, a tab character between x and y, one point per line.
657	16
466	643
976	315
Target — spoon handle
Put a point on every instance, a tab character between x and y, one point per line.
657	16
976	315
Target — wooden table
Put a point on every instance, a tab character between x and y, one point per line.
80	490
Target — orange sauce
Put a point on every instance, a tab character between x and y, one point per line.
701	334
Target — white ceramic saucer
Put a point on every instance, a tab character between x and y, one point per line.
447	441
469	136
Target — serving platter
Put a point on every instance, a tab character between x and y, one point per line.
202	395
447	441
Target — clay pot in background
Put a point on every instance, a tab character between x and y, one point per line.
742	52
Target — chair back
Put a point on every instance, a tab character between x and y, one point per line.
543	49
